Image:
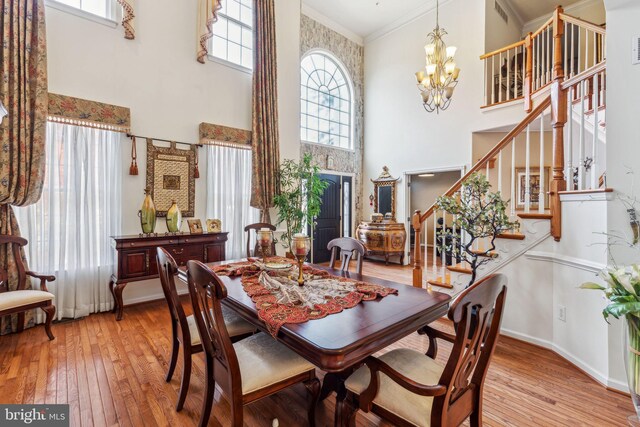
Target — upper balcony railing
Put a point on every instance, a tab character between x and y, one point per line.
520	70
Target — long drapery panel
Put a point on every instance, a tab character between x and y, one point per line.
69	228
228	193
23	91
265	137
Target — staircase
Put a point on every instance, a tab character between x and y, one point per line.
564	92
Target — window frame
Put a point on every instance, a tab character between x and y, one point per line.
350	87
115	12
212	57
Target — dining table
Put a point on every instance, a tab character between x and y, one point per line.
339	343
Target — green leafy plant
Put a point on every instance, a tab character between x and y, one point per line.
300	196
478	214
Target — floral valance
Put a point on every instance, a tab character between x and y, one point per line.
210	133
127	19
82	112
207	16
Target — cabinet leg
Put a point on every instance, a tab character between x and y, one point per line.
113	294
386	259
118	295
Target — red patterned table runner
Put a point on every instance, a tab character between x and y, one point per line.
280	300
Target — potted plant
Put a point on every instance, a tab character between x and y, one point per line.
478	214
300	196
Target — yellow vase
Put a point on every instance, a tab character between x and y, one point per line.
147	213
174	218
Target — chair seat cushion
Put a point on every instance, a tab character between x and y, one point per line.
393	397
264	361
13	299
236	325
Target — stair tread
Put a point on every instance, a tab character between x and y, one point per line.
440	283
511	236
491	254
534	215
460	268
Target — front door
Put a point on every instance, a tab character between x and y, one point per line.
328	222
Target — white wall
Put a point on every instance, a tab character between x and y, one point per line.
169	93
498	33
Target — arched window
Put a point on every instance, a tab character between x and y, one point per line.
326	101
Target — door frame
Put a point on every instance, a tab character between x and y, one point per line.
353	202
407	208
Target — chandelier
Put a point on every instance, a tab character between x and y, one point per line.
440	77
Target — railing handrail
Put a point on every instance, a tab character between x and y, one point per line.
503	49
584	24
585	75
543	27
534	114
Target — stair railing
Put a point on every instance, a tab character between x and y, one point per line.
524	68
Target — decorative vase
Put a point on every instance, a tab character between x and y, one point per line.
632	363
174	218
147	213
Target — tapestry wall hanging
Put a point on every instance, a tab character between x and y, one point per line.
170	175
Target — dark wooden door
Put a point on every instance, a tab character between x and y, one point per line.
328	222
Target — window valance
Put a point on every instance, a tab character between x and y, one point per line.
83	112
216	134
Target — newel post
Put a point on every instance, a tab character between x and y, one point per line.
558	120
528	76
417	253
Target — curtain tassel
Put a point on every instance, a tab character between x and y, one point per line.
133	169
196	171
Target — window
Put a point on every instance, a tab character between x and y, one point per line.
326	101
69	228
103	8
233	33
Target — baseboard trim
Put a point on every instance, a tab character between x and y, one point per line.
595	375
150	298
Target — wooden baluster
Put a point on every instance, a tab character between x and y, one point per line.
426	250
435	243
536	62
586	48
417	261
527	162
595	48
579	49
528	75
513	201
596	132
558	120
443	248
523	72
500	77
487	170
454	242
581	151
545	59
508	75
543	179
565	64
493	80
486	76
573	48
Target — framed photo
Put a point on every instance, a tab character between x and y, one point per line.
214	226
195	226
535	181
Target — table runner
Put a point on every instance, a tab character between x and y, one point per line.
280	300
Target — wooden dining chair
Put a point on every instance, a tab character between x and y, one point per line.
248	370
183	328
348	248
254	227
409	388
21	299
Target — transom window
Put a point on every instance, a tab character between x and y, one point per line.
233	33
326	101
103	8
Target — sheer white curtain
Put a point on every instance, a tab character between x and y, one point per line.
69	229
229	194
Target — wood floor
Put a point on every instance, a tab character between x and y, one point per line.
112	373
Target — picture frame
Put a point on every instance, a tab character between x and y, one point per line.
214	226
195	226
534	186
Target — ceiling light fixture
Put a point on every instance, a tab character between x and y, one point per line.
440	77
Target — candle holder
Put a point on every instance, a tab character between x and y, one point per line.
265	241
301	248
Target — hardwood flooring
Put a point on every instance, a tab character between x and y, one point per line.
112	373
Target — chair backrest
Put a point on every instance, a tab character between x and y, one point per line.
206	291
348	248
167	270
253	228
14	244
476	314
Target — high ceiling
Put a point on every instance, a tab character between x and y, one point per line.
365	17
532	9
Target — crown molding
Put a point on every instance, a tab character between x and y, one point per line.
536	23
331	24
419	12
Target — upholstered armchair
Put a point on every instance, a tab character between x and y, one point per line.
21	300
